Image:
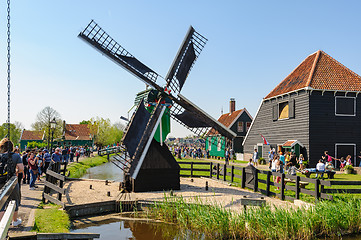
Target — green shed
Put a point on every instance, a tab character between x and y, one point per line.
30	136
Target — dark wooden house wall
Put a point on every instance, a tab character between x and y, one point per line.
327	129
279	131
237	142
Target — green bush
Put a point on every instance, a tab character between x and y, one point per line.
33	144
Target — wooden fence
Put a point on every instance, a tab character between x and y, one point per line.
290	187
54	181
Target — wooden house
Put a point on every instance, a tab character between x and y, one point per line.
317	105
239	122
30	136
76	135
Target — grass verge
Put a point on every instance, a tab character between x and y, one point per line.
325	219
50	218
77	170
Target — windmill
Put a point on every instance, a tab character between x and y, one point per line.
147	163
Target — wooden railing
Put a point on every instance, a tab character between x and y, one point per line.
290	187
54	181
5	193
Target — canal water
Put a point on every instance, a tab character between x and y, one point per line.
138	230
106	171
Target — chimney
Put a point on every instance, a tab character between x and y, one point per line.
232	105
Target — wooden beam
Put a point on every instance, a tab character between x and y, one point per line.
54	187
56	175
53	200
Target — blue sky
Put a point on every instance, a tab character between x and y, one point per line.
253	45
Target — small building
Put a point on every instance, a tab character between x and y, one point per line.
30	136
239	122
317	106
77	135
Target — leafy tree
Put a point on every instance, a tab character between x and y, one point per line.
104	132
43	119
85	122
34	144
15	131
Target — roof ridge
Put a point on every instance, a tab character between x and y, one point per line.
315	61
352	72
291	73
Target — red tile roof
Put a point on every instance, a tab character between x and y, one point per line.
226	119
319	71
32	135
77	132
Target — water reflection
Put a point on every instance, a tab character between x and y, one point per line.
106	171
139	230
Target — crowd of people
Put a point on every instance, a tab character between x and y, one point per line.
30	165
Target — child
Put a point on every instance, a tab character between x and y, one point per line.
300	161
250	162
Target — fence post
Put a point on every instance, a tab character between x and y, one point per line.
298	187
317	189
255	188
283	186
210	169
217	171
108	157
232	173
269	174
224	172
191	169
243	184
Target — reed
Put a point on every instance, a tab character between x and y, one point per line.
331	219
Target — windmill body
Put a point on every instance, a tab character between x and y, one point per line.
146	162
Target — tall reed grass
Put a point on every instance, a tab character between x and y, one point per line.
325	219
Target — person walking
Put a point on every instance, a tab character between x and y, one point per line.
26	179
47	159
255	157
33	169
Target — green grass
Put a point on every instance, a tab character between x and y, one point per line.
77	170
326	219
50	218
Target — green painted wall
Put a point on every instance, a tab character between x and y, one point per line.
217	146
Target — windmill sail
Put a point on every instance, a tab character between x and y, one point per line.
187	54
99	39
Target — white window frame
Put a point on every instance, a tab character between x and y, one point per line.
346	144
346	115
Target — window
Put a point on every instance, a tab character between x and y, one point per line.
283	110
345	106
240	126
248	126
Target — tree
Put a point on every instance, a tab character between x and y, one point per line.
15	131
104	132
85	122
43	119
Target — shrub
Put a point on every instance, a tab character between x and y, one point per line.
262	161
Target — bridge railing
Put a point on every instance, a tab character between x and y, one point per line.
5	193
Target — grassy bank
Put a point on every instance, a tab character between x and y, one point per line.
331	219
77	170
50	218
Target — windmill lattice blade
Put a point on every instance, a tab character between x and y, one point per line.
98	38
195	119
187	54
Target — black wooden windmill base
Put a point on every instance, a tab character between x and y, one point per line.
159	171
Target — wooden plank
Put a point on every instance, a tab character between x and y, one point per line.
263	171
291	188
342	190
328	183
293	177
56	175
194	163
326	196
262	181
252	201
47	236
53	200
54	187
7	219
290	198
238	168
265	192
306	191
310	180
345	183
195	169
237	176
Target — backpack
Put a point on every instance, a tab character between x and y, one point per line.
6	167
